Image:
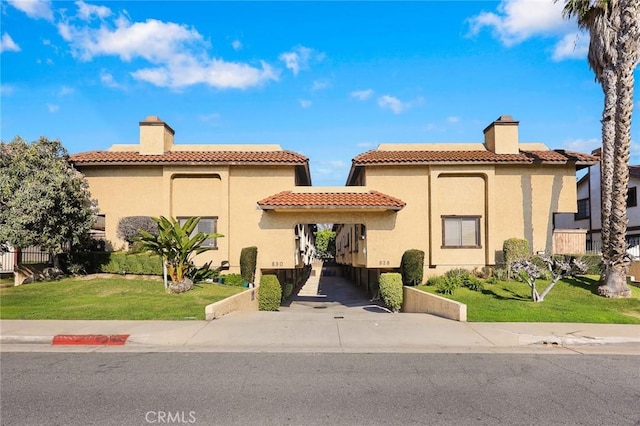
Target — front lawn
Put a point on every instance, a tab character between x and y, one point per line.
571	300
108	299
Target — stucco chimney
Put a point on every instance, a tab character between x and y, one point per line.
156	137
501	136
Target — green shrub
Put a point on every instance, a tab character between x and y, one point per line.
233	279
411	267
435	280
287	289
115	264
248	259
391	290
457	276
515	249
500	274
136	264
269	293
474	283
446	286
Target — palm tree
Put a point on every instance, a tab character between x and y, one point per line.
176	244
602	19
628	50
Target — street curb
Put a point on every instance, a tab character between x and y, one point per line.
90	339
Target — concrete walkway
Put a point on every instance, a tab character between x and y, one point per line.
329	314
331	294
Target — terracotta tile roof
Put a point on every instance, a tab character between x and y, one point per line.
472	157
331	200
188	157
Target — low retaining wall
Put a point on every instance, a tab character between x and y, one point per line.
245	301
416	301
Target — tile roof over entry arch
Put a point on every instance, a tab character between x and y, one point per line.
371	200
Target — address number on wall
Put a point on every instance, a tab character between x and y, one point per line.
277	263
384	263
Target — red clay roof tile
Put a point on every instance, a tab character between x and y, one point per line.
331	200
187	157
479	157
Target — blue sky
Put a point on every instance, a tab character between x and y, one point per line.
329	80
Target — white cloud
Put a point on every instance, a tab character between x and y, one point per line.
7	89
581	145
299	58
53	108
36	9
518	20
392	103
574	45
66	90
330	168
320	84
361	95
453	120
107	79
88	11
236	44
7	44
305	103
177	54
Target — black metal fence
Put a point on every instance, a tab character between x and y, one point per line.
28	256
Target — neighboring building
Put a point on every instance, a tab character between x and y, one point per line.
589	202
456	202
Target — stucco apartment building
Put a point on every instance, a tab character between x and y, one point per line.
456	202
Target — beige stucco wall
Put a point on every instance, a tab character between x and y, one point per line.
511	201
125	191
228	193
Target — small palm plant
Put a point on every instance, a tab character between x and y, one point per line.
176	244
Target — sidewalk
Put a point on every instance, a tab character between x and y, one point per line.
329	314
354	331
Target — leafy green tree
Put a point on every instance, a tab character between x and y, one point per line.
325	244
176	244
44	201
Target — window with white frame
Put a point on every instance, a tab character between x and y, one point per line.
461	231
208	225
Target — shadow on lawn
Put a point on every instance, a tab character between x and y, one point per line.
585	283
514	296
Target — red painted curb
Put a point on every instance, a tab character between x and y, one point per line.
90	339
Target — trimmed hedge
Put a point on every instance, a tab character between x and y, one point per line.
269	293
411	267
391	290
111	263
513	250
287	289
248	259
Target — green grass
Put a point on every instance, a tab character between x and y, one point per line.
571	300
108	299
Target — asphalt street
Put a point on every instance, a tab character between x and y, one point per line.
318	389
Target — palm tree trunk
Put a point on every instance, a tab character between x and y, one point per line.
608	80
627	47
